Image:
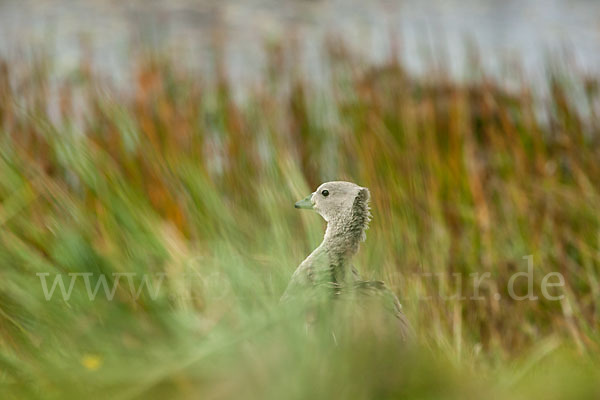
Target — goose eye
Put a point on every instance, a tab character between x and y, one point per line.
325	192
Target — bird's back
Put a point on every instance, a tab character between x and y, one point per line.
384	297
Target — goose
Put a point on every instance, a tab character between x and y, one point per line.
345	208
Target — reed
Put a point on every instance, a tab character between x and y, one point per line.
173	181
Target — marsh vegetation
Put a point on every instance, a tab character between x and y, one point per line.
175	180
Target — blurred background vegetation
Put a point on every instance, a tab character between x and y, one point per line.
177	177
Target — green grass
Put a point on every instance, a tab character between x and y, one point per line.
174	179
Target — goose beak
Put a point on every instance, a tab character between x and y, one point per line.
305	203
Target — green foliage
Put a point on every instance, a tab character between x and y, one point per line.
176	186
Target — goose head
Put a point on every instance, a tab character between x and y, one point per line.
334	200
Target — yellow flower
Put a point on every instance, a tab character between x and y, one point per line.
91	361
